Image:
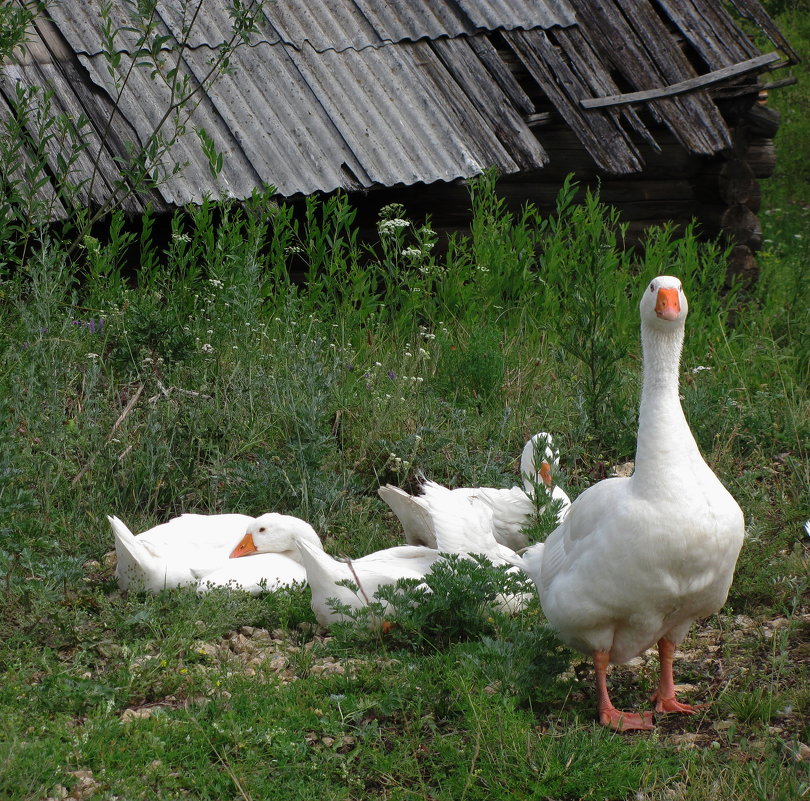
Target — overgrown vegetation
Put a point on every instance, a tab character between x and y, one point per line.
209	380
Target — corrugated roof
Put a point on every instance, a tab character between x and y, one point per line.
355	94
326	25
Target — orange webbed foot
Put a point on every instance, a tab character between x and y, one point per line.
625	721
674	705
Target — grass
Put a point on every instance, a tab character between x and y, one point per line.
216	383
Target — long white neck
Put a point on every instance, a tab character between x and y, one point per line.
665	442
321	568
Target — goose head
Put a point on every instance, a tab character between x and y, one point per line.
276	533
663	305
536	462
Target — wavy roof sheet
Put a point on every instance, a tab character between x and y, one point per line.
356	94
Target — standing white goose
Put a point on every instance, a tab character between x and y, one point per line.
511	508
175	553
638	559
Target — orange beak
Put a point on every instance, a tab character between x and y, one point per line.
668	307
545	474
245	547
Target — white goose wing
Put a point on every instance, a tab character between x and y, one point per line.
512	509
463	524
413	516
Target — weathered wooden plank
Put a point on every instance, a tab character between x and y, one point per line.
750	9
693	118
592	71
710	31
494	62
491	103
689	85
605	140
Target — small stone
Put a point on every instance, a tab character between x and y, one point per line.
207	649
624	469
685	688
686	740
131	714
239	643
277	663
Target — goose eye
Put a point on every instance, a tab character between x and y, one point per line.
262	530
652	287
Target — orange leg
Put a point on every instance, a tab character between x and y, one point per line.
664	696
608	714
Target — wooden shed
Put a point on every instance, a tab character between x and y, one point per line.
660	101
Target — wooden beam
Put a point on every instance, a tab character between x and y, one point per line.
683	86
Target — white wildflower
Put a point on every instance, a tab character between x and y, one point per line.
92	356
390	227
207	348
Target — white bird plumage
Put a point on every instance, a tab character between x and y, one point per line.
638	559
272	559
460	525
368	574
195	550
511	509
175	553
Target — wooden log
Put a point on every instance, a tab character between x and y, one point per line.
567	154
762	121
738	223
730	180
761	157
742	226
755	201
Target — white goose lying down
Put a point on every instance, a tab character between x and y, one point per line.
168	555
195	549
638	559
511	508
462	527
271	543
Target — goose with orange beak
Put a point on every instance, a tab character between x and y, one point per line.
266	557
512	508
638	559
